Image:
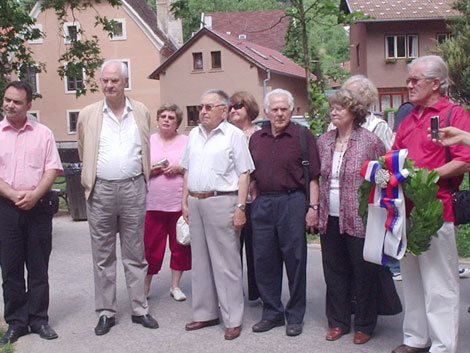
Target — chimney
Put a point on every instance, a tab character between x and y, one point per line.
167	23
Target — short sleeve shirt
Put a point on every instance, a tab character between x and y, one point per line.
26	154
278	160
214	161
412	134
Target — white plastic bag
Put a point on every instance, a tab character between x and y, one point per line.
182	232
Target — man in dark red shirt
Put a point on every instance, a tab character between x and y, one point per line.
430	281
279	212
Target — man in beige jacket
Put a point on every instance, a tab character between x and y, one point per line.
113	143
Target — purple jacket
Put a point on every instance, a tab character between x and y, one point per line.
363	145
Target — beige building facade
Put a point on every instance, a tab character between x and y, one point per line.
382	46
214	60
140	44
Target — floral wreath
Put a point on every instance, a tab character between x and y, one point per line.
425	217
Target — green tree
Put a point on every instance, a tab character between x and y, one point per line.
82	54
318	13
189	11
15	29
456	52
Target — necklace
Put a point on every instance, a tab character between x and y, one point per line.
343	145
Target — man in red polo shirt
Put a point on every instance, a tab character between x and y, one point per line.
430	281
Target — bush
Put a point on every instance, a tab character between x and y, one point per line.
463	233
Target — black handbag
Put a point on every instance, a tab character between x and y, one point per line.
460	198
461	206
50	202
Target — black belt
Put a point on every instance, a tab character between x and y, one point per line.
277	193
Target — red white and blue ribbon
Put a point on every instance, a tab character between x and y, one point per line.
386	219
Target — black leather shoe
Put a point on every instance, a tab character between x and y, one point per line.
12	334
145	320
294	329
266	325
45	331
104	325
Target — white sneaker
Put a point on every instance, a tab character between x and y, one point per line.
464	272
396	276
177	294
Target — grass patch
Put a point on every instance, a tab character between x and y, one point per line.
60	184
312	238
8	348
463	233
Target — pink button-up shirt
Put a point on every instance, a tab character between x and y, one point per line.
25	154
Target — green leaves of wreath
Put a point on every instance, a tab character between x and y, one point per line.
426	216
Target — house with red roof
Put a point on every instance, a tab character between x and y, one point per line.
212	59
397	32
142	42
267	28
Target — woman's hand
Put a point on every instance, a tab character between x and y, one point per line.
156	171
173	169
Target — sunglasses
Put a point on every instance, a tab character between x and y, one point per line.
208	107
414	80
236	106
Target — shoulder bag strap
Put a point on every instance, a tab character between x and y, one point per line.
448	158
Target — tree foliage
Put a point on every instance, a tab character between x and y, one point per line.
82	54
15	29
456	52
315	14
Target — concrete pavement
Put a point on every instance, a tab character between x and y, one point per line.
72	313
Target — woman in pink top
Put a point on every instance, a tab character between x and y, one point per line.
164	200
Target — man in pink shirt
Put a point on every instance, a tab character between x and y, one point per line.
29	164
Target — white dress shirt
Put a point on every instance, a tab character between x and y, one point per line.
215	161
120	148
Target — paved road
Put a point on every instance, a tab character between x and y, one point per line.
71	313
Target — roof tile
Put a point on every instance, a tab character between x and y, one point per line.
403	9
267	28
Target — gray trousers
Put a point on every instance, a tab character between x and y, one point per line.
216	266
118	207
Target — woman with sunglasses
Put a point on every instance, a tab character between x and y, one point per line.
164	200
243	110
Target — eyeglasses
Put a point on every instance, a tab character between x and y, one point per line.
415	80
208	107
337	109
236	106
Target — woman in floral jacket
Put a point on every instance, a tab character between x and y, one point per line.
343	151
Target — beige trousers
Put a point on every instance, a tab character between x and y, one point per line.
118	207
216	265
431	294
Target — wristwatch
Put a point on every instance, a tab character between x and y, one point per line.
314	207
241	207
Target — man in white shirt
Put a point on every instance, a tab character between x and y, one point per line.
217	166
113	143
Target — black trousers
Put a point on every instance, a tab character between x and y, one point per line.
25	239
346	273
278	222
246	238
